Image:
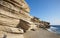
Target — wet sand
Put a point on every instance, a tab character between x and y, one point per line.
40	34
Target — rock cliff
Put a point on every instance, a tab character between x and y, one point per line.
15	19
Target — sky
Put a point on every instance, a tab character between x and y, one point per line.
46	10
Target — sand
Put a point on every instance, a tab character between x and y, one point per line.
40	34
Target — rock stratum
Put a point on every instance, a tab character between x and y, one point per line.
15	19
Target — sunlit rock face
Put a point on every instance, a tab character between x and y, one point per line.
12	11
16	20
39	23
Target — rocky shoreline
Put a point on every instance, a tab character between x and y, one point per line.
15	19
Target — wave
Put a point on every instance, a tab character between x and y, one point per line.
54	29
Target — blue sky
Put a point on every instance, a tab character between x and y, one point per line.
47	10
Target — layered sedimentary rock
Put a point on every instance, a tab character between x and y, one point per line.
15	18
11	29
44	24
13	10
39	23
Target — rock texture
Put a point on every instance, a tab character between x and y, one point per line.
39	23
16	20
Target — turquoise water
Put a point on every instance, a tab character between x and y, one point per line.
55	29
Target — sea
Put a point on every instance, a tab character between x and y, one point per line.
55	29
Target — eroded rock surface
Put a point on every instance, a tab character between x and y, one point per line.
15	19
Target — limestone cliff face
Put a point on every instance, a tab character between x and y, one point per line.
14	15
15	18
